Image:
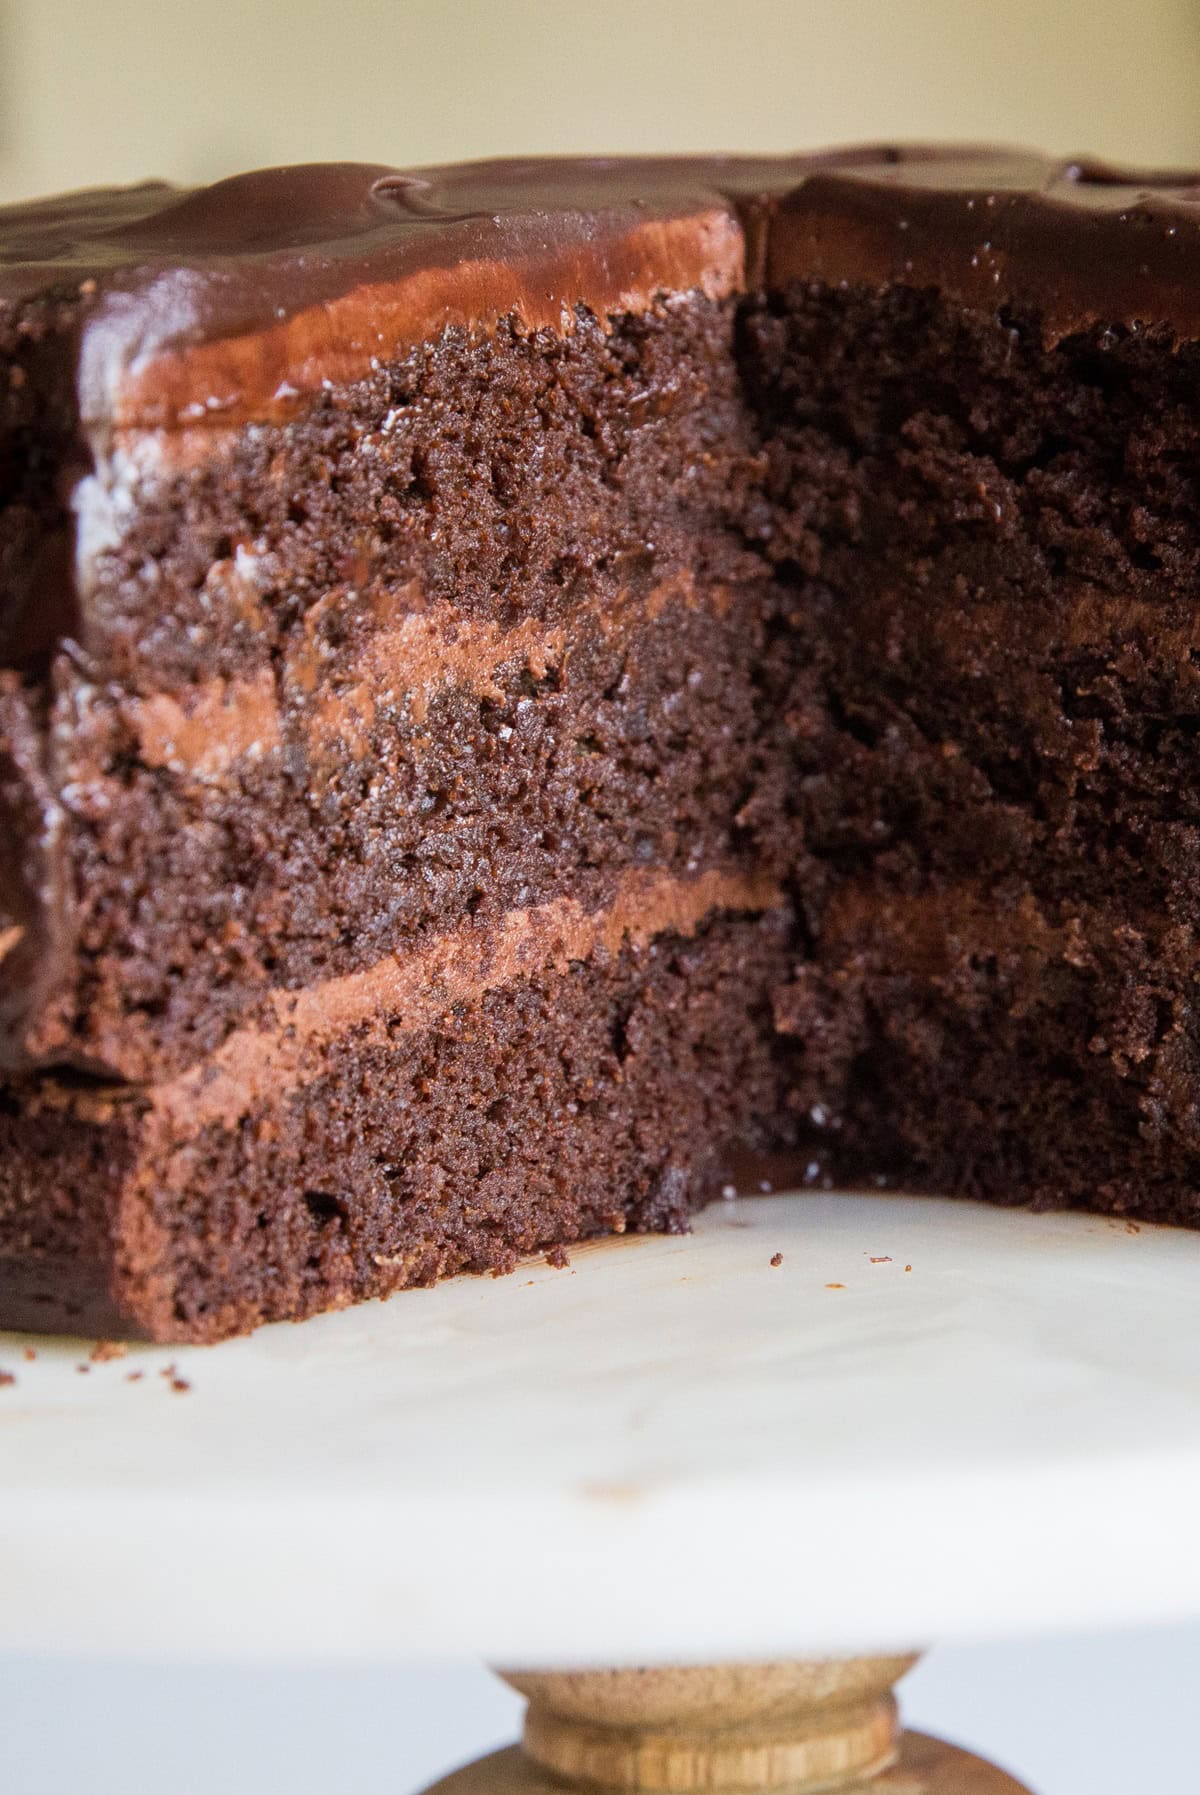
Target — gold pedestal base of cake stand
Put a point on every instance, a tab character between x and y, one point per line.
818	1725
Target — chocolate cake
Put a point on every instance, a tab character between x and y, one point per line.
525	682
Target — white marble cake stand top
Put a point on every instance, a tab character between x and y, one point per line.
674	1450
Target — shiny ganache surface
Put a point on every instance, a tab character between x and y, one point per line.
238	298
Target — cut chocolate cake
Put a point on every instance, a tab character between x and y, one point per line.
526	681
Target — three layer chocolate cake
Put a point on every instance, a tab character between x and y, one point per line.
523	682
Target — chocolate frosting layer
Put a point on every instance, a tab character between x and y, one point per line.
1079	242
409	991
235	299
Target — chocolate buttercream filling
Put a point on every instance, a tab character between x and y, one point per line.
205	729
410	990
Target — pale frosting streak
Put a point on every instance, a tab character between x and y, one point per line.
223	721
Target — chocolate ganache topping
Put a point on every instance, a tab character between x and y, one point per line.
233	300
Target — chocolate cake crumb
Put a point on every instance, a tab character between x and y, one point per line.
558	1258
104	1350
7	1378
180	1385
29	1355
776	1258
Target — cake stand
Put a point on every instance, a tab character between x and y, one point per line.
723	1467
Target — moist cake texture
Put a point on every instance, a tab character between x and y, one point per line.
524	682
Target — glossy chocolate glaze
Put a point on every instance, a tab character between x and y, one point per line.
1080	243
233	300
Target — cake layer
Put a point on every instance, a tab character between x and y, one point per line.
971	1042
585	1081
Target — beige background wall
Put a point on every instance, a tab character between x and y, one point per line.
93	91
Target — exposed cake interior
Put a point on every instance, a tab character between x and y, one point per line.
536	770
994	544
475	631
